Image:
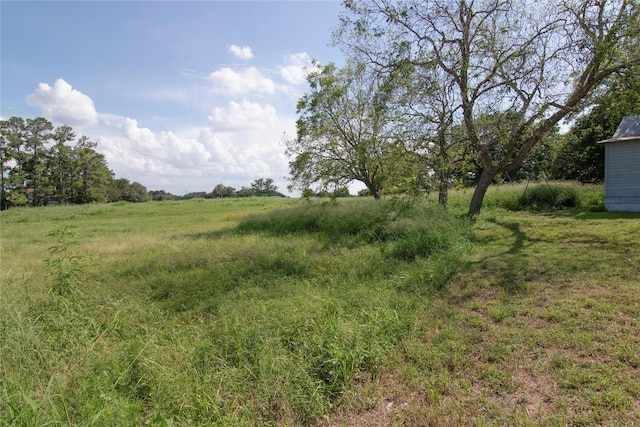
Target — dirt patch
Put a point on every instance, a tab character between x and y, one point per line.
535	393
380	402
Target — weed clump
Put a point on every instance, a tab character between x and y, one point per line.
402	230
539	198
65	264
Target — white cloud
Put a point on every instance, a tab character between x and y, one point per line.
244	139
296	67
155	159
243	52
242	82
235	144
62	103
163	148
243	116
240	144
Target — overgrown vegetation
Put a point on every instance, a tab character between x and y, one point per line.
270	311
401	228
212	322
539	197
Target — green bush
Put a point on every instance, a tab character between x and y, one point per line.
332	220
65	265
592	200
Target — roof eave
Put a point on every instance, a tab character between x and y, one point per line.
627	139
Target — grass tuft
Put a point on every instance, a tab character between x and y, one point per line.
547	197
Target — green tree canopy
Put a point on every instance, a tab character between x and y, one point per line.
578	155
136	193
342	131
533	62
40	164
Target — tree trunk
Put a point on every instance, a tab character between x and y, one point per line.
484	182
443	191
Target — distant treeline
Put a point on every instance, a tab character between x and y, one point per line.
41	164
259	187
45	165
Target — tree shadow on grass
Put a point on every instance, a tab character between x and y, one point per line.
511	269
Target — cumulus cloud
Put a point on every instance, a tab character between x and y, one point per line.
242	82
235	144
243	52
155	159
296	67
240	143
63	104
164	147
244	139
243	115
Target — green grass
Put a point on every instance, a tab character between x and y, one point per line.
214	312
270	311
541	328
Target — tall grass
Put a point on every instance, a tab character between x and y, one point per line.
539	197
401	229
244	312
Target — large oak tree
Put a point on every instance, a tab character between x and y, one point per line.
533	63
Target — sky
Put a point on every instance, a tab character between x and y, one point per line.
179	95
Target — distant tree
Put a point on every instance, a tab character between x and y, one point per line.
60	167
341	192
245	192
269	187
137	193
11	137
159	195
39	165
258	185
91	176
195	195
37	134
264	187
222	190
342	131
118	189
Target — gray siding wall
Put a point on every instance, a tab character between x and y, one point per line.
622	176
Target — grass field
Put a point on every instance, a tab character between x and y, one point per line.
270	311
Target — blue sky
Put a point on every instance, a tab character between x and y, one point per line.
179	95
